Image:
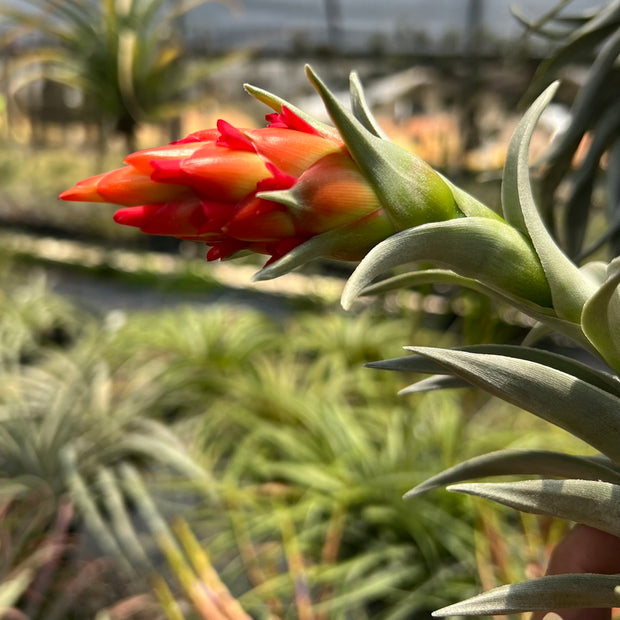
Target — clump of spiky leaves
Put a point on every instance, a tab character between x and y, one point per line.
96	429
304	474
69	419
591	37
303	511
126	58
584	306
30	318
298	459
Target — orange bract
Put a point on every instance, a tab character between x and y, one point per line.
221	186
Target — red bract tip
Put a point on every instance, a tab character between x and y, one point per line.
233	138
287	119
278	180
80	194
168	171
84	191
180	218
260	220
143	160
132	216
225	249
204	135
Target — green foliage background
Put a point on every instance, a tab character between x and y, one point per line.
263	432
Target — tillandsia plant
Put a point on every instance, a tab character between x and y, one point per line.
300	189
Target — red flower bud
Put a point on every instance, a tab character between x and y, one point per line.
265	190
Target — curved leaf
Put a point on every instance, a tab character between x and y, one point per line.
581	41
578	206
569	287
589	95
361	109
470	206
551	592
113	502
596	270
523	462
540	21
582	409
518	150
422	364
600	320
12	588
431	384
590	502
323	245
417	278
276	103
475	247
89	511
543	315
540	331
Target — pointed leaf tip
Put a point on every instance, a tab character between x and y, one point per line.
590	502
550	394
550	592
361	109
410	191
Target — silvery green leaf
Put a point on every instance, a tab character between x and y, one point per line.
276	103
577	406
417	278
549	322
600	319
112	500
146	507
545	593
474	247
518	152
591	502
470	206
432	384
596	270
541	22
422	364
318	246
86	503
523	462
540	331
361	109
569	287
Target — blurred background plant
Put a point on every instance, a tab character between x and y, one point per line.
125	61
174	430
579	184
285	459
